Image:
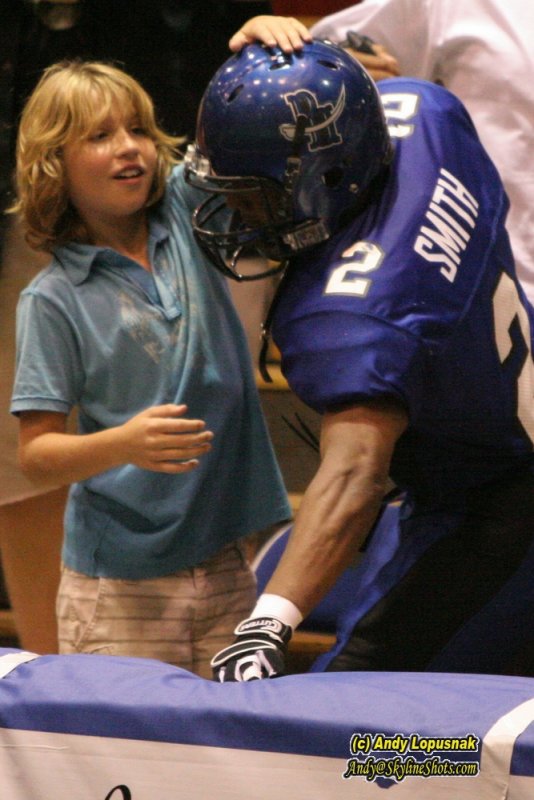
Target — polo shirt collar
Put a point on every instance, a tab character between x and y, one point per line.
77	258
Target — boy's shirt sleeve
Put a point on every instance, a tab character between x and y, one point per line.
48	374
190	198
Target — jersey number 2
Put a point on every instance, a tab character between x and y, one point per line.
350	278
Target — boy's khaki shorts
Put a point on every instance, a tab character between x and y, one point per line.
183	618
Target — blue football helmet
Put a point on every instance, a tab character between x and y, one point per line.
292	141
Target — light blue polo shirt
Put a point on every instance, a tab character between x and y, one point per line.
97	332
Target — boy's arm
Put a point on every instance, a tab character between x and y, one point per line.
290	34
157	439
285	32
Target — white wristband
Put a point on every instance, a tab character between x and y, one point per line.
273	605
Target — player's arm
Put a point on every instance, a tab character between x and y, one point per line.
341	502
160	439
336	513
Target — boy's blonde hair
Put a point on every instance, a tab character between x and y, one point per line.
68	103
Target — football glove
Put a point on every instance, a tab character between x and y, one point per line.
258	651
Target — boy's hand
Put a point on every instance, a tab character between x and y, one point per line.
285	32
159	439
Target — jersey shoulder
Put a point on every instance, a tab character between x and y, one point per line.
409	268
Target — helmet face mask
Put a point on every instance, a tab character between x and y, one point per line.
291	142
262	222
257	203
233	251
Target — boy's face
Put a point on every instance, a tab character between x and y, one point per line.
109	173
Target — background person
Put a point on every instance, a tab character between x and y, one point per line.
481	51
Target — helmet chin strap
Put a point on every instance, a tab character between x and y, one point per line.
292	172
266	330
309	233
294	162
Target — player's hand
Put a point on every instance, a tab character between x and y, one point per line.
162	440
258	651
285	32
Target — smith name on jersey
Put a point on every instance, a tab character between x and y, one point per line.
417	299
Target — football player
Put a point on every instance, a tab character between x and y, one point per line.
400	319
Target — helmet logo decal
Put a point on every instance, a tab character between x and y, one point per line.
320	131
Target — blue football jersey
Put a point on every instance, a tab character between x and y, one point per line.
417	299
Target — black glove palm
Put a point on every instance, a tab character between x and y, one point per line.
258	651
